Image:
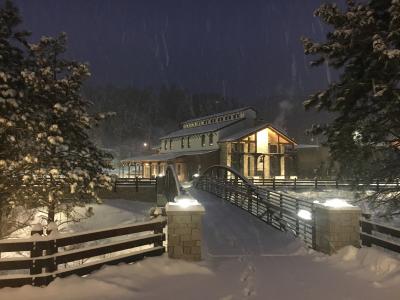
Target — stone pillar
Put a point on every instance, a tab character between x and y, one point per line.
336	227
184	230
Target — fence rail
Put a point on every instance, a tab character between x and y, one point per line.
136	182
385	236
274	208
45	255
317	183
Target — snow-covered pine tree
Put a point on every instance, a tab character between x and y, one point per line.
364	46
16	123
69	168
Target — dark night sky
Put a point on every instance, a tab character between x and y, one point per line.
245	49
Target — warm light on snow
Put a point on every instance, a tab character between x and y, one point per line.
336	203
304	214
185	201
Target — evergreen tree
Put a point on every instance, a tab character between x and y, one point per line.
68	165
364	46
46	157
16	120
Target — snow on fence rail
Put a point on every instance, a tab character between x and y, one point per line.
279	210
45	255
135	182
385	236
316	183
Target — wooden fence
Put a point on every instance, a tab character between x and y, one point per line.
318	183
385	236
136	182
45	258
274	208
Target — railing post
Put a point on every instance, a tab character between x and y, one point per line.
137	184
280	210
377	185
273	183
36	269
52	229
249	199
297	219
337	184
316	182
295	183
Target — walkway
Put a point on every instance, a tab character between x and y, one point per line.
244	258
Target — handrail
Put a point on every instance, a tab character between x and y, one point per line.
277	209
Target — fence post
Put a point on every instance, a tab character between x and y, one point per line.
159	229
377	185
366	228
316	182
273	183
137	184
115	185
36	269
53	249
295	183
337	184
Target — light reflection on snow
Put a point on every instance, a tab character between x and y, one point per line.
304	214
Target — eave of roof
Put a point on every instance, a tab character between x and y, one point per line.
249	131
165	156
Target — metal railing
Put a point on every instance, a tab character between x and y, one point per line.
277	209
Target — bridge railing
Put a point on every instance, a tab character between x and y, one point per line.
279	210
46	262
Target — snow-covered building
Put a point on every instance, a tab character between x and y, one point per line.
234	138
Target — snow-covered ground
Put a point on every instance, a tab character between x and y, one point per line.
243	259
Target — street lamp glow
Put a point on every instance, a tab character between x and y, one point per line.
196	175
144	144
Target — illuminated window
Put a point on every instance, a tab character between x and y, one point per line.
170	144
165	144
182	142
210	139
203	140
188	141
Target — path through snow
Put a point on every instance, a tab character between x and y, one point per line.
244	258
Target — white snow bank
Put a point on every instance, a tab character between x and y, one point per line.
113	282
376	265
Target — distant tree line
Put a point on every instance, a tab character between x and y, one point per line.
143	115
